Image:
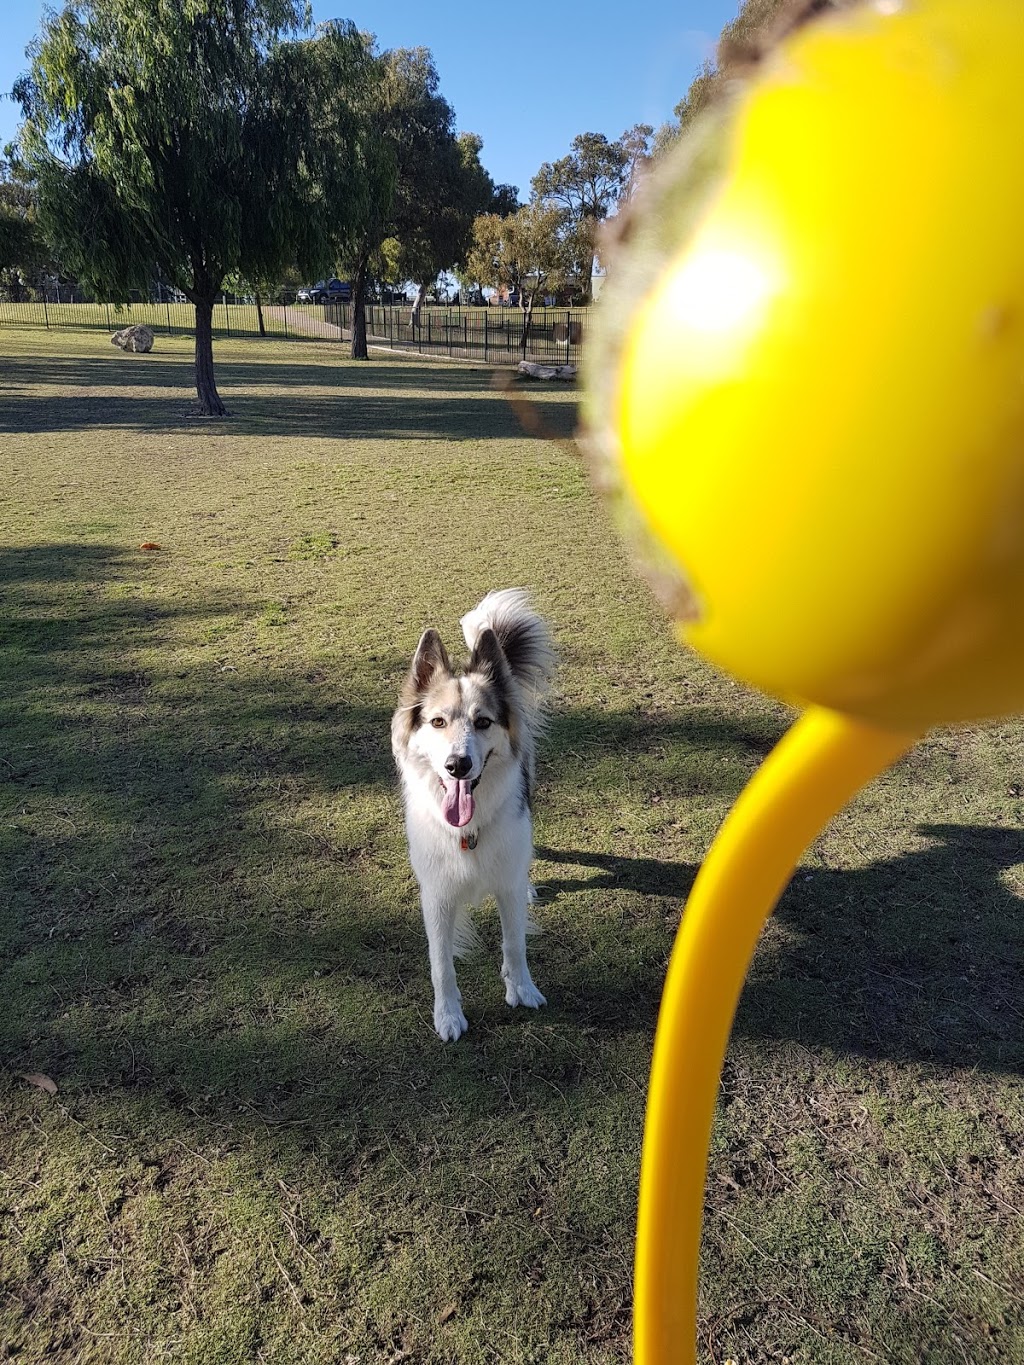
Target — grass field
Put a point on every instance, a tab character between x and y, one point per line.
209	937
239	319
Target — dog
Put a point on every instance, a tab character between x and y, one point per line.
464	744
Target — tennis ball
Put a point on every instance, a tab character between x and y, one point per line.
808	388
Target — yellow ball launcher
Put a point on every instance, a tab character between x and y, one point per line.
809	401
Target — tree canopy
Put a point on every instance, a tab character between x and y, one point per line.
428	189
588	185
525	252
190	141
24	257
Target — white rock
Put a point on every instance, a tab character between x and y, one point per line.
136	338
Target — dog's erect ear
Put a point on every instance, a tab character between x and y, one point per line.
428	662
489	663
431	657
489	660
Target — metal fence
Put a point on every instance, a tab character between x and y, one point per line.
491	334
556	335
233	315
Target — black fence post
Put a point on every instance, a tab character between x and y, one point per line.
568	335
167	305
107	307
485	336
46	313
227	315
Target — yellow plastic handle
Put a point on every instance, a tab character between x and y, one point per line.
817	767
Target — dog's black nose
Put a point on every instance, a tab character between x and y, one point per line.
458	765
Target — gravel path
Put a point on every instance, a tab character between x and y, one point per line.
304	323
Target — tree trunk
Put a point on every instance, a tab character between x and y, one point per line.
210	404
359	351
417	308
259	315
527	319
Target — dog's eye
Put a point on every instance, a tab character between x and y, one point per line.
439	722
482	722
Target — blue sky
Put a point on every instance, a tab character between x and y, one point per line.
527	76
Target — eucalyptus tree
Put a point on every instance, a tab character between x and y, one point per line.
426	183
454	192
526	253
585	185
194	140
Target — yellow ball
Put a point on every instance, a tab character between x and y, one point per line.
818	406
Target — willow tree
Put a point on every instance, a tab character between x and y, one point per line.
192	141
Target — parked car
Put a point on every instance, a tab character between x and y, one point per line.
327	291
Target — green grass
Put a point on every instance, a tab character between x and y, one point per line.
165	319
229	319
209	935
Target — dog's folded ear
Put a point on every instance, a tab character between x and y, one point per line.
488	659
431	657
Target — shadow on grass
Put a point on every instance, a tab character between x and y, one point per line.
408	400
914	958
116	368
206	898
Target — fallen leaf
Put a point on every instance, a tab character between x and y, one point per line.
448	1313
149	545
42	1082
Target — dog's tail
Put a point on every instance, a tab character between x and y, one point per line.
523	636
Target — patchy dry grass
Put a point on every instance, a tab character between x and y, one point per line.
209	938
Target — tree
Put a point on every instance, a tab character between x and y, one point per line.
586	186
428	185
636	143
526	252
437	237
190	141
24	257
505	200
20	247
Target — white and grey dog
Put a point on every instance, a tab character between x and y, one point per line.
464	744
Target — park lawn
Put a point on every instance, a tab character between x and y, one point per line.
209	938
166	319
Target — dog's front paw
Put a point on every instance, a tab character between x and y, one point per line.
449	1021
523	992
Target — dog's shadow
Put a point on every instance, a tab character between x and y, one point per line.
917	957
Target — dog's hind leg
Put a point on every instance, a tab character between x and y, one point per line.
519	987
439	918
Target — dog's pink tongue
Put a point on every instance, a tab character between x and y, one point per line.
458	803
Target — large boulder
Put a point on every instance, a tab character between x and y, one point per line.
135	338
529	369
